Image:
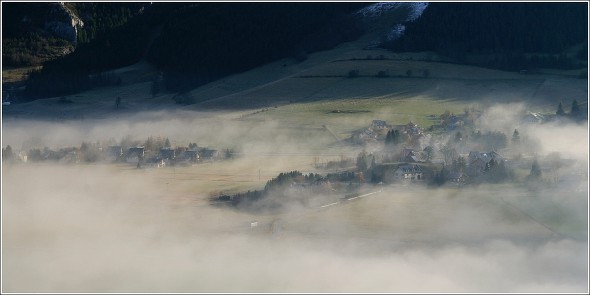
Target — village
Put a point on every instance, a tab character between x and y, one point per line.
153	153
452	151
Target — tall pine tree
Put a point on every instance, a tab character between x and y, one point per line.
560	111
535	170
575	111
515	137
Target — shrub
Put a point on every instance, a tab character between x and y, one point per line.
382	74
353	73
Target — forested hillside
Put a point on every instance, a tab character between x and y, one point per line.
31	34
502	35
196	43
204	42
99	17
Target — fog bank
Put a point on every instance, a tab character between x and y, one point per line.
95	229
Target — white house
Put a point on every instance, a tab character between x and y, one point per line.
409	172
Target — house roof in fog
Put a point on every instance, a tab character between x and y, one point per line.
485	157
409	168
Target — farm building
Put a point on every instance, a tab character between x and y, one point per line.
409	172
379	124
134	155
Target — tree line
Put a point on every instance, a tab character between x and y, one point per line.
575	113
504	31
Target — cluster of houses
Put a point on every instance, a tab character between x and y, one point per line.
167	156
139	155
408	160
413	168
410	163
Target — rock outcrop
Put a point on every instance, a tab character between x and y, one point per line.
63	23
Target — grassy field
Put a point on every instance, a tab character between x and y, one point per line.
322	78
347	115
16	74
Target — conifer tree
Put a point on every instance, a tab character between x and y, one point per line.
515	137
361	161
535	170
429	151
560	111
575	111
7	153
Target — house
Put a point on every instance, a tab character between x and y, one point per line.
114	153
477	161
379	124
486	157
457	177
369	133
208	154
167	155
187	157
412	129
409	172
408	155
134	155
71	157
476	166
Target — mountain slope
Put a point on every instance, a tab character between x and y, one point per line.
33	33
502	35
200	42
320	84
194	44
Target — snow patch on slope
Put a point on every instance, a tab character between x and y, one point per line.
377	9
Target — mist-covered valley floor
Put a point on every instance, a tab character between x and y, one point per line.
92	229
115	228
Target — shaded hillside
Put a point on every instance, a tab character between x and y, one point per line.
501	35
25	40
208	41
100	18
33	33
195	43
84	69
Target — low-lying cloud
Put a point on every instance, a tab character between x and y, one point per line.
91	229
101	228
